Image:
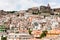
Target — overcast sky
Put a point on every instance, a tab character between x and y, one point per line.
9	5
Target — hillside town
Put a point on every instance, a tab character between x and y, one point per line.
35	23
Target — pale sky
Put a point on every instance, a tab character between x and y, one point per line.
10	5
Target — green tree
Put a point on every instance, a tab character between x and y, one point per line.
36	12
3	38
29	31
43	34
2	28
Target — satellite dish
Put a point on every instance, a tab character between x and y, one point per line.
49	28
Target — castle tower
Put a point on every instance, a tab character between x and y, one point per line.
48	5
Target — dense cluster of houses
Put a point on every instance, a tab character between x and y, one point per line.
17	24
